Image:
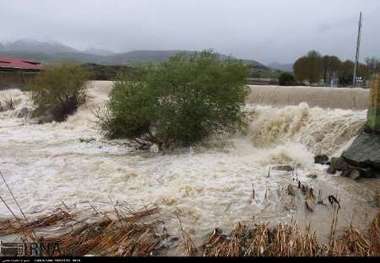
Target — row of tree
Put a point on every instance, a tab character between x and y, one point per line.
315	68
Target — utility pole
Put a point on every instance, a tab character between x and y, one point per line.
357	51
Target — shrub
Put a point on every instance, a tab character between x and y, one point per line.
286	79
178	102
59	90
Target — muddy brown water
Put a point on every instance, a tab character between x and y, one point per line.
211	185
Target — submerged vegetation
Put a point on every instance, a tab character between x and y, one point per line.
58	91
178	102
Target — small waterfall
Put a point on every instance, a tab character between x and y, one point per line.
324	97
322	131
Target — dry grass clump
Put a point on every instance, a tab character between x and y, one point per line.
261	240
356	243
17	225
117	233
374	234
352	243
124	232
189	247
289	240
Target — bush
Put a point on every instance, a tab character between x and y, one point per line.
286	79
59	90
178	102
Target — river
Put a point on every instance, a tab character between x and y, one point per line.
210	185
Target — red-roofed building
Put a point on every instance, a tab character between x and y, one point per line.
16	72
19	64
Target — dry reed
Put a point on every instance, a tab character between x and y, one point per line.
123	232
290	240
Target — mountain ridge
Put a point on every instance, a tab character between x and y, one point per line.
53	52
288	67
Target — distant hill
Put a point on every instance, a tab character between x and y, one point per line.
53	52
282	67
36	47
143	56
78	57
99	52
155	56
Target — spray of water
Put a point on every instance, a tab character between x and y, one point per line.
49	163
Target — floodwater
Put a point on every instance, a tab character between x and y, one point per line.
342	98
208	185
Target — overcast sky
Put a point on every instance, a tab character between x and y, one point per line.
268	31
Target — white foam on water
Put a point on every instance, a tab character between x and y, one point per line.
47	164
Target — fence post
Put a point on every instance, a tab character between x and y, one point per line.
374	104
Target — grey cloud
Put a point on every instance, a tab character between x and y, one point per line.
271	30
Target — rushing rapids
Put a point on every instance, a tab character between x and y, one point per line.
71	162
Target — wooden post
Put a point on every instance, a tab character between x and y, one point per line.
374	104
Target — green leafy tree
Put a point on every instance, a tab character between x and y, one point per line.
373	65
346	73
178	102
330	67
300	70
309	67
286	79
59	90
313	67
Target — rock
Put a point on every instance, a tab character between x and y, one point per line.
347	172
46	118
339	163
331	170
286	168
23	113
321	159
364	153
312	176
366	172
86	140
354	174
